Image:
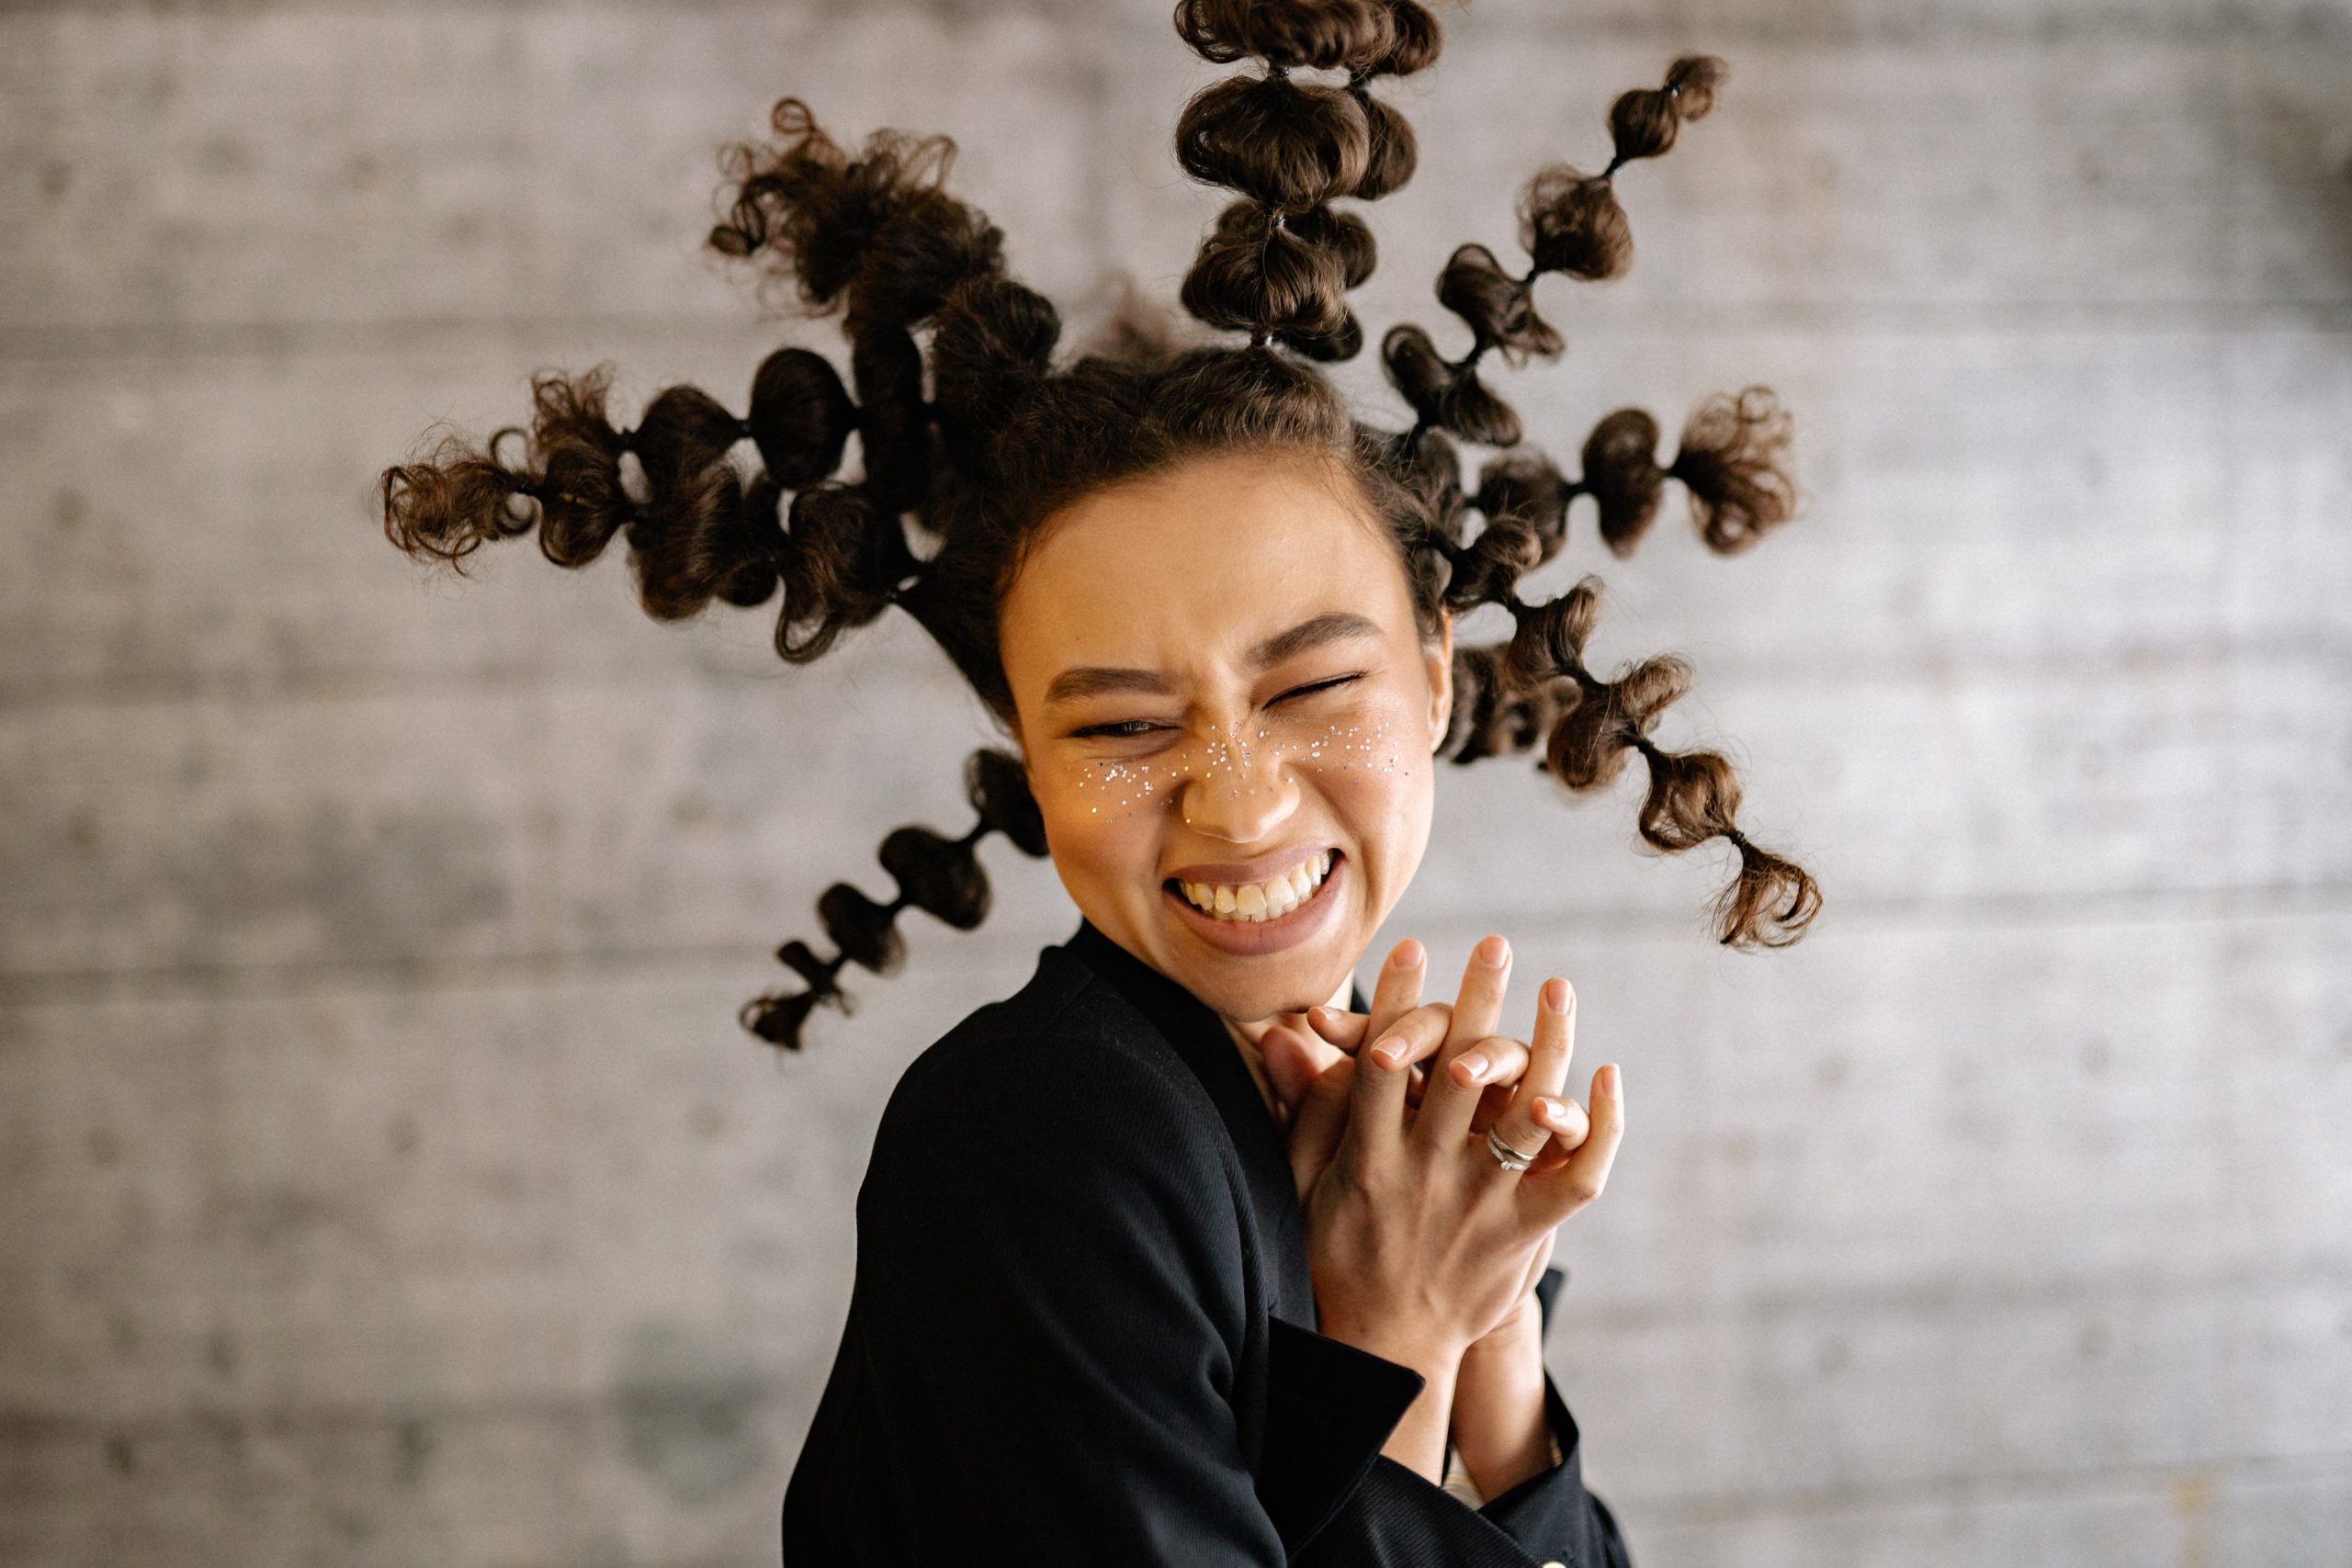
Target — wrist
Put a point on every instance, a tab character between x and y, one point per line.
1501	1420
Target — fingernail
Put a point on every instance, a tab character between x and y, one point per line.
1389	1052
1477	1063
1492	951
1555	1114
1608	1080
1407	954
1556	994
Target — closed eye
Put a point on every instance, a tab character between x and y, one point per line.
1319	686
1129	729
1126	730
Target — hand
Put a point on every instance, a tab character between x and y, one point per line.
1312	1075
1312	1072
1419	1242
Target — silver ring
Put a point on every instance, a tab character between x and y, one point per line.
1505	1156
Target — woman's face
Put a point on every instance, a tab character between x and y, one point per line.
1222	696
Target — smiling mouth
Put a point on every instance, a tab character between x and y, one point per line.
1256	903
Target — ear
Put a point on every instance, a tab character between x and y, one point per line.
1438	663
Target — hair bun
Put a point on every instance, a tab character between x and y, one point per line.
1643	122
1525	484
1292	34
1550	636
801	416
1500	309
1621	474
993	344
1283	144
941	876
1570	222
1450	396
1733	461
864	931
1258	276
997	787
843	559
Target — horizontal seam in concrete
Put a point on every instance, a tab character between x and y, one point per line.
1984	1486
413	975
2080	23
1719	674
488	336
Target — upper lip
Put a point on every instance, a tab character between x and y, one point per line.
1236	873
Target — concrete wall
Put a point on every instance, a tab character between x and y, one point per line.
383	1176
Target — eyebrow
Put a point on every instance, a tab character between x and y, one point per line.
1095	679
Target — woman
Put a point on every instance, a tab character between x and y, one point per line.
1171	1256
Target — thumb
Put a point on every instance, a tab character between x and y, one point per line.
1293	1062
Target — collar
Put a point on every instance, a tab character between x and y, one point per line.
1200	1037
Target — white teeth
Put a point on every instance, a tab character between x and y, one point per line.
1268	900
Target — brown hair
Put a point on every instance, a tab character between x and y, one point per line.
967	429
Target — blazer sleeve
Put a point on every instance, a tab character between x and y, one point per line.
1053	1270
1399	1516
1550	1514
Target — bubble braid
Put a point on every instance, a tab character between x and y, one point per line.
969	432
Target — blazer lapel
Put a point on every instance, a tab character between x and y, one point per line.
1328	1406
1199	1036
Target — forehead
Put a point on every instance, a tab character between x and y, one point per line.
1202	561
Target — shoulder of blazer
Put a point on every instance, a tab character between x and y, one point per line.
1064	1015
1064	1088
1066	1050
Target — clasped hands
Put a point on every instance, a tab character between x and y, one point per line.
1423	1246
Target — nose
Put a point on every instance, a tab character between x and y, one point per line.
1238	791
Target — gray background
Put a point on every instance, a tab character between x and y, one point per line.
383	1176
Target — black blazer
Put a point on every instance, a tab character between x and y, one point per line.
1082	1331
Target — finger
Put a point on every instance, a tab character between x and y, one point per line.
1493	1063
1292	1062
1320	1123
1505	1066
1578	1180
1521	1126
1396	989
1447	1104
1416	1038
1381	1086
1491	1105
1570	1128
1343	1030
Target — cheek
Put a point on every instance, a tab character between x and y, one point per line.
1374	775
1101	817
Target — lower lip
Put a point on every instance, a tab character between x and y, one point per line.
1247	939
